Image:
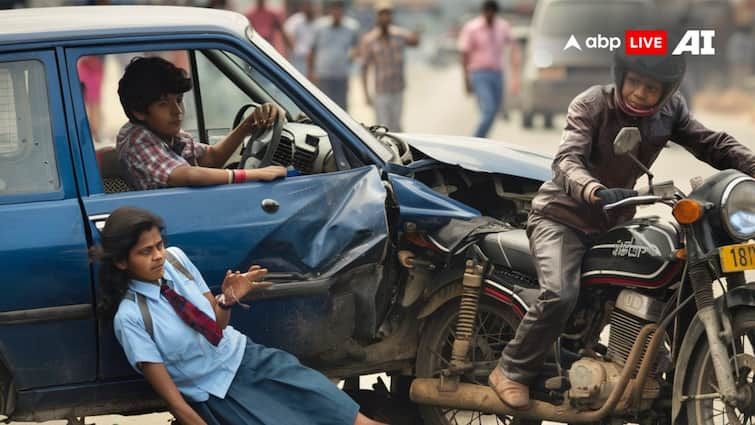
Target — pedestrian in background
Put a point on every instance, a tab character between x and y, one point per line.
300	28
332	53
482	42
740	54
383	49
91	72
268	24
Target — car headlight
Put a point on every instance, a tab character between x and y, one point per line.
738	208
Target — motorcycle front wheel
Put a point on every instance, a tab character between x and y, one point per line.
702	380
494	328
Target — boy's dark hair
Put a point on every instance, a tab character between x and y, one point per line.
490	6
146	80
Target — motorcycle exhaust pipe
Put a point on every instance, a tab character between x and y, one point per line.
483	399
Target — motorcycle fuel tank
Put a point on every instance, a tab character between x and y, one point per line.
639	253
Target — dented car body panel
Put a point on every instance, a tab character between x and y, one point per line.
483	155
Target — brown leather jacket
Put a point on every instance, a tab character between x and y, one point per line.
585	160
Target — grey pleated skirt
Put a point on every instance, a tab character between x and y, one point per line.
271	387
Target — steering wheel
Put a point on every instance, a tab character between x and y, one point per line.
277	130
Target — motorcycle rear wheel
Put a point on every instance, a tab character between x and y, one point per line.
494	328
702	378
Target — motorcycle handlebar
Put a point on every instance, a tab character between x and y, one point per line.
632	201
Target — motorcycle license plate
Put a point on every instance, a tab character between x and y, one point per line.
738	257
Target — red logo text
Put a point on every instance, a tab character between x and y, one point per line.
645	42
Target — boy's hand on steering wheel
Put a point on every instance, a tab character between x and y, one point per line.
263	116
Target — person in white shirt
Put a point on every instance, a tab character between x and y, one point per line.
300	28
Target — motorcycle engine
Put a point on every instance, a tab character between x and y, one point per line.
592	380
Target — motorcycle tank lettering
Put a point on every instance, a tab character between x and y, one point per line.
636	254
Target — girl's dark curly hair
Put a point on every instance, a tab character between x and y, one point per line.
122	231
146	80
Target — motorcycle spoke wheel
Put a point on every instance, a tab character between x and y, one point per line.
714	411
494	328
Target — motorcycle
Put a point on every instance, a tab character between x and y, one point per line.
648	342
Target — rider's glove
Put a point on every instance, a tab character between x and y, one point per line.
610	196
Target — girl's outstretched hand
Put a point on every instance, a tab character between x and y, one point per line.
237	285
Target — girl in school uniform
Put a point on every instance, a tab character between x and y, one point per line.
176	333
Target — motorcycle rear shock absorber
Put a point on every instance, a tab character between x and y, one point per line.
470	300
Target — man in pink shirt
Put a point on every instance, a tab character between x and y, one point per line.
269	25
482	41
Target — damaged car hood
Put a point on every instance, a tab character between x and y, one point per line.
483	155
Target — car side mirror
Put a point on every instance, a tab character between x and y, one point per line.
627	140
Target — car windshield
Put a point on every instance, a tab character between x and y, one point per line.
368	138
266	86
606	18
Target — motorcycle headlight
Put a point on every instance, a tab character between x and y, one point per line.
738	208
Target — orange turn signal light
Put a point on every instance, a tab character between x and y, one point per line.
687	211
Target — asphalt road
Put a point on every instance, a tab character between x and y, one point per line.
435	102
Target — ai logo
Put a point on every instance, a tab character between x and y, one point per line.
690	43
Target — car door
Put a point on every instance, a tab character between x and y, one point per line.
314	233
47	326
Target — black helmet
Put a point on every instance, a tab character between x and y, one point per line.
667	69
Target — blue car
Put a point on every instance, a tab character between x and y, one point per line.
331	235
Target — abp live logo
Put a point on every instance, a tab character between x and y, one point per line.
655	42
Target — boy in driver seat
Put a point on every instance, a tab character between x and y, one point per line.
156	153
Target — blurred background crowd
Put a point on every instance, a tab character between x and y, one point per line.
425	42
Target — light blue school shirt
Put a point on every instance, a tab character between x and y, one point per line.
197	367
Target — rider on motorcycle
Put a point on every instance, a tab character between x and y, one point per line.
567	211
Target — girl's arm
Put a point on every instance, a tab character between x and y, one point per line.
235	287
164	386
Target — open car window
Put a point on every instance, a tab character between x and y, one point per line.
222	85
266	86
379	148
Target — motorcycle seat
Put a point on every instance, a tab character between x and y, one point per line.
510	249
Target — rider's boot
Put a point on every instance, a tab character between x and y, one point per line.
511	393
